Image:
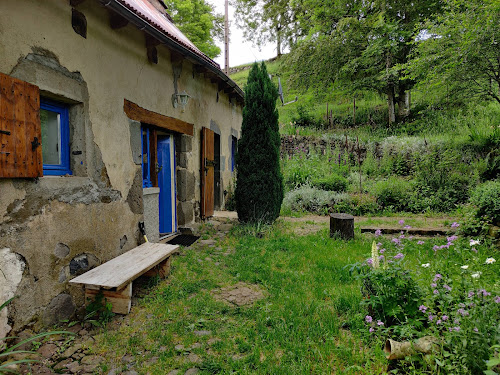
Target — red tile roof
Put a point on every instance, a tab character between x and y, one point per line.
149	13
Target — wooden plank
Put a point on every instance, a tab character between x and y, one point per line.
161	270
207	173
34	164
140	114
7	124
116	21
120	300
20	129
120	271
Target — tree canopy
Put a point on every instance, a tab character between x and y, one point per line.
198	21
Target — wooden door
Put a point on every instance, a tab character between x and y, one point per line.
166	183
207	173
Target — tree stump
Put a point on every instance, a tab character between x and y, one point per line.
342	225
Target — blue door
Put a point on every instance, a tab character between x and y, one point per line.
166	183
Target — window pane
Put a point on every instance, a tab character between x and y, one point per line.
51	137
145	165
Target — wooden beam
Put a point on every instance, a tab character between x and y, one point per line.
151	41
140	114
152	53
116	21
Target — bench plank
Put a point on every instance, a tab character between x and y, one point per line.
120	271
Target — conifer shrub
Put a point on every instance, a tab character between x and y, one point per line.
259	189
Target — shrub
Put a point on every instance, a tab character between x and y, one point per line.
357	204
486	199
305	118
259	189
307	198
332	182
393	193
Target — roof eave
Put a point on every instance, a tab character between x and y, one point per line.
162	37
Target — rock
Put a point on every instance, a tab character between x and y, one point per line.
130	372
61	250
90	368
63	364
179	348
207	242
71	350
192	371
60	308
47	350
194	358
214	223
75	329
91	360
127	359
494	231
113	371
174	372
26	334
196	345
213	341
202	333
225	227
74	367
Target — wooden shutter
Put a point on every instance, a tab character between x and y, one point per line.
207	173
20	130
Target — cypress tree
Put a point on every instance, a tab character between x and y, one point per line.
259	187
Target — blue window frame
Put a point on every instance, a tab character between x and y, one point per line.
234	148
146	158
54	119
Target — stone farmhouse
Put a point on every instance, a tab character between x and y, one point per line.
109	117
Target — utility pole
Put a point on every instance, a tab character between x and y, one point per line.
226	39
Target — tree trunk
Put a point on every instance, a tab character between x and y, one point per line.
278	41
390	105
342	225
404	104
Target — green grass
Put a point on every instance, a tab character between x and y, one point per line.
296	329
310	320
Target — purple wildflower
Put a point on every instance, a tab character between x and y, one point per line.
444	317
380	323
435	248
435	291
474	249
422	308
402	236
381	251
447	287
434	285
471	294
379	244
420	242
437	276
475	329
452	238
397	241
381	257
497	299
456	329
369	261
463	312
410	238
368	319
431	317
407	227
455	225
438	321
378	233
401	222
456	321
371	329
399	256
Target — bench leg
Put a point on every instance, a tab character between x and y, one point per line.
162	269
121	300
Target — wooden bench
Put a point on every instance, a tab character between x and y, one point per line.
114	278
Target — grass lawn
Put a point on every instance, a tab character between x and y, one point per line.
309	320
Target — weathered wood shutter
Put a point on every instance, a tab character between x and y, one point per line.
207	173
20	129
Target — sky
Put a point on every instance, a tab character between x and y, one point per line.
240	50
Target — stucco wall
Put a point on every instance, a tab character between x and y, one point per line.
58	226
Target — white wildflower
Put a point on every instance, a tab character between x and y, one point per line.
464	267
474	242
425	265
375	257
490	261
476	275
